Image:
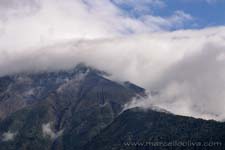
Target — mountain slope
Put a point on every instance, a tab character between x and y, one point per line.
81	109
141	129
59	110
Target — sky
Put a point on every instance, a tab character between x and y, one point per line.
175	47
204	13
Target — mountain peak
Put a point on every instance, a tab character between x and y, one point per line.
77	103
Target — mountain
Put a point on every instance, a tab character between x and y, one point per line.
59	110
138	129
81	108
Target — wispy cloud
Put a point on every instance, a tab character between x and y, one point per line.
140	7
205	1
176	21
48	132
8	136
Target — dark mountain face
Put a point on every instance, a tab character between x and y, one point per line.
142	129
81	109
59	110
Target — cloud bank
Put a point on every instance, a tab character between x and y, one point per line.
186	67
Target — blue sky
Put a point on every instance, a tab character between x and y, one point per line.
205	13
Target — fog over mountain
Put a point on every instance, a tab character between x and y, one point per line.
185	67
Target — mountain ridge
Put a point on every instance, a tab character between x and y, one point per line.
145	129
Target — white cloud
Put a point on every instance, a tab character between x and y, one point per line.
198	83
221	56
142	6
145	103
48	132
24	23
205	1
8	136
177	20
182	65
